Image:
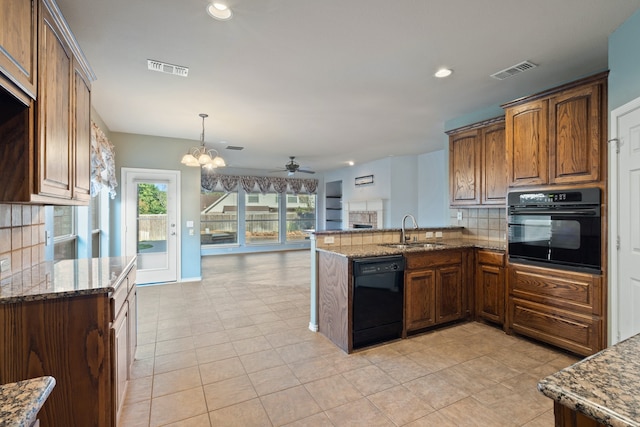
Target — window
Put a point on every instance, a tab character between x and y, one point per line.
262	219
218	217
94	210
301	216
64	234
253	198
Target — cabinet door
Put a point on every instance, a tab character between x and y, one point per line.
464	168
120	356
494	166
490	293
18	43
575	136
54	112
132	301
81	136
420	296
527	143
448	293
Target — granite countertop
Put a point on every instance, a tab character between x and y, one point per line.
604	386
382	249
49	280
369	230
21	401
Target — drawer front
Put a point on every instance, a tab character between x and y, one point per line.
571	331
131	277
433	258
575	291
118	299
490	257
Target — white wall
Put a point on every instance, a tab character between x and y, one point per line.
433	189
409	184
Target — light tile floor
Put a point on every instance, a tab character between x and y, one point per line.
235	350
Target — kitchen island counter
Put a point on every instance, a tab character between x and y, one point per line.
604	387
383	249
21	401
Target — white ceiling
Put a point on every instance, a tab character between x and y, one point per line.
329	81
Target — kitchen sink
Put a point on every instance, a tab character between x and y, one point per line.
410	245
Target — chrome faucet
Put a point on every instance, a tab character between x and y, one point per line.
404	233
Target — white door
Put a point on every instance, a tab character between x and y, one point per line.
624	211
150	201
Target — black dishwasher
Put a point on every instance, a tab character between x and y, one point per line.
378	299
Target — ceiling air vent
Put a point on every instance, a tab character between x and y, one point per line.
234	147
163	67
513	70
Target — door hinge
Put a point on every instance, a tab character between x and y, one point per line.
618	243
617	142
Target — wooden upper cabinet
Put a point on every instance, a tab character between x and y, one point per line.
574	136
45	141
477	168
558	136
54	111
527	143
18	46
494	166
464	168
81	142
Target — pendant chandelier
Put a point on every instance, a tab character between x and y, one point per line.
207	158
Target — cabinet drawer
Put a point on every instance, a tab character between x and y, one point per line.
578	292
433	258
118	299
565	329
131	278
490	257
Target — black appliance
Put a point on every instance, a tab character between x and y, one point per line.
378	299
559	228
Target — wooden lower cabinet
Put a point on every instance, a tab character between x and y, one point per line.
83	341
562	308
490	292
567	417
435	288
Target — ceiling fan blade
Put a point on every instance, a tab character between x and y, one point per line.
305	171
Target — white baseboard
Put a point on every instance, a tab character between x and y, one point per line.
191	279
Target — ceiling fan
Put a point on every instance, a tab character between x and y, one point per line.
292	167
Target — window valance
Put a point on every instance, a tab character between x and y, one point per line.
103	163
257	184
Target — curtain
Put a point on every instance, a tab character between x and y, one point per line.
248	183
229	182
209	181
295	185
103	163
264	182
311	185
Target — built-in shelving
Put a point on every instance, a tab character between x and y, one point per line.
333	205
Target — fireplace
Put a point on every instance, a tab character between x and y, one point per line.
365	214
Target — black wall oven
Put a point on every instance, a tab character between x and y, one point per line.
559	228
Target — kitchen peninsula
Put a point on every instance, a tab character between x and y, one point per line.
601	390
73	320
438	271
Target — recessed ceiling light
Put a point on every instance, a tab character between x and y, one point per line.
443	72
350	163
219	11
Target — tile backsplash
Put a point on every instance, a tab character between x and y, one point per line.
21	237
483	223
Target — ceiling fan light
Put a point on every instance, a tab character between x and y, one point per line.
219	162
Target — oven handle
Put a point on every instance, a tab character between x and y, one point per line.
585	212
